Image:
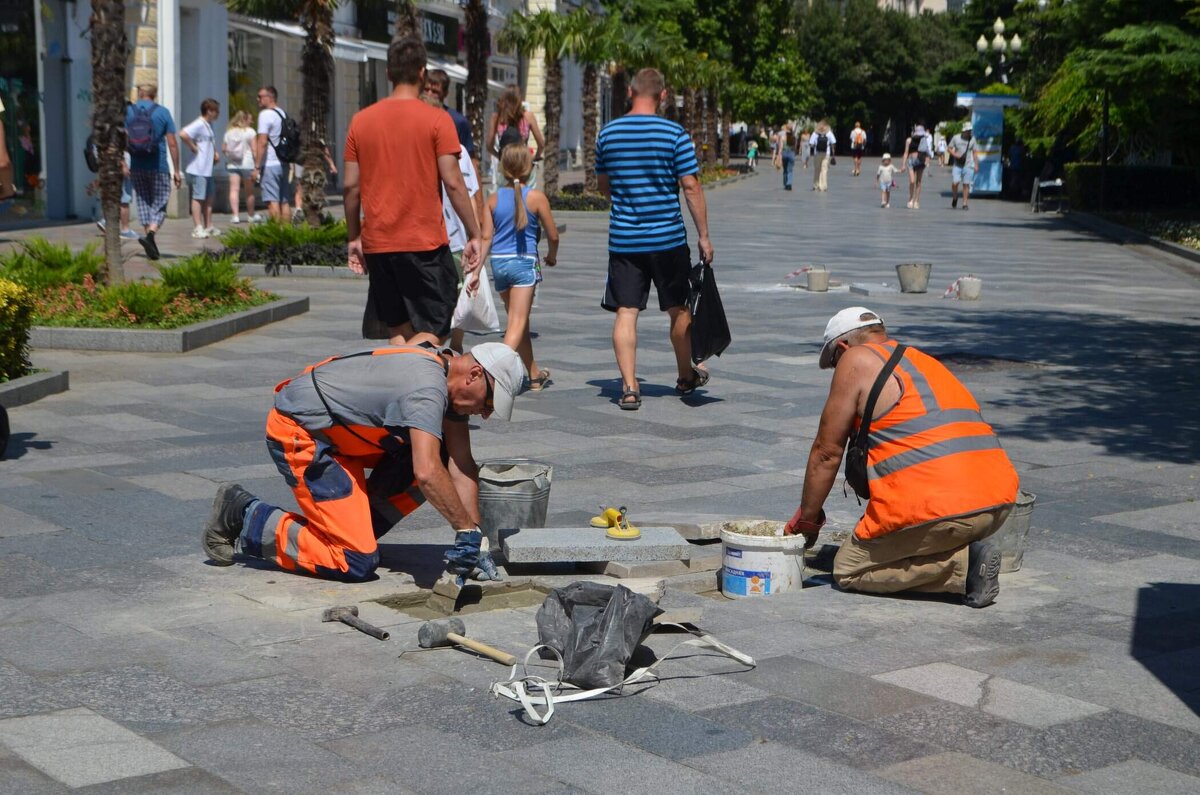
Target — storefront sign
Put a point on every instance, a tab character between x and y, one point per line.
440	33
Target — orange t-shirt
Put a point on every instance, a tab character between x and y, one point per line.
396	143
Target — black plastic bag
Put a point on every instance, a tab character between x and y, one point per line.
710	329
595	628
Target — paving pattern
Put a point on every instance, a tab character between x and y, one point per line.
128	665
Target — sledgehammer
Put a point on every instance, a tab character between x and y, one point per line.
349	616
433	634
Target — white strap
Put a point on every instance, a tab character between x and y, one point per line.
520	688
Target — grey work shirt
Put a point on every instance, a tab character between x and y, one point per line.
396	391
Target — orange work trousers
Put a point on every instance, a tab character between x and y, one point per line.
343	512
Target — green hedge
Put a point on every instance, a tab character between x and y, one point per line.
581	201
16	316
1132	187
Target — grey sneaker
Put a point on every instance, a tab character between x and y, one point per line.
983	574
225	523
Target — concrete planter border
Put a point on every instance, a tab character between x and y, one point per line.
29	388
180	340
1124	234
256	270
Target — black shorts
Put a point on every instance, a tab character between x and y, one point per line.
417	287
629	277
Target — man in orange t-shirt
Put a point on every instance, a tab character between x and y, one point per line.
400	153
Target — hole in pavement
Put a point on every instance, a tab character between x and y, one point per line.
471	598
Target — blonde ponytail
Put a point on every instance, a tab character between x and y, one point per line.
520	217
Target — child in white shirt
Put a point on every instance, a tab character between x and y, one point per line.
886	176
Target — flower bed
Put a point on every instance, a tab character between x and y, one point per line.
1182	227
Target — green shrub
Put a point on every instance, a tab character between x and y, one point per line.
16	316
278	246
579	201
139	302
39	264
1132	187
204	275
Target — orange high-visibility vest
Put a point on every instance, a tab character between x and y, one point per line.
362	439
931	456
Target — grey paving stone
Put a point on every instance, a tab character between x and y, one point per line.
16	775
15	523
22	694
951	773
573	544
79	747
186	781
822	733
837	691
144	700
759	768
1132	778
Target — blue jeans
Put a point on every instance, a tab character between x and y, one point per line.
789	163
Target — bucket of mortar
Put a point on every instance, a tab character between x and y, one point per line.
513	493
818	279
969	288
760	565
914	276
1011	536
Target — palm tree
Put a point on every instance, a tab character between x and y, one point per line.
316	67
589	38
475	19
406	20
529	33
109	56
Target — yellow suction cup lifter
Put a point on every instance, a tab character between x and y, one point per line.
609	517
623	530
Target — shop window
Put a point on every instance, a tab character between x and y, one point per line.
249	69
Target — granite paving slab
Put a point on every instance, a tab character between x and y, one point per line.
951	773
1131	778
576	544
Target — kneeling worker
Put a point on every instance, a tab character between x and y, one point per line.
938	479
400	412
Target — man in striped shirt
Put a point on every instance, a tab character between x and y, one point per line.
642	161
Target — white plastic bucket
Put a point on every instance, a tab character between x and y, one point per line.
969	288
818	280
760	565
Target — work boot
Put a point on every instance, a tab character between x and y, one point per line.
983	574
225	523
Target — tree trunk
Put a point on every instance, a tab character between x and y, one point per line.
406	20
591	100
689	115
553	116
316	67
619	98
710	103
671	111
475	19
109	48
726	125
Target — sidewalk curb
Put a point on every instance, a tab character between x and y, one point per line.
180	340
27	389
1124	234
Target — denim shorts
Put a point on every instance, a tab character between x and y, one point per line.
201	187
962	175
509	270
126	191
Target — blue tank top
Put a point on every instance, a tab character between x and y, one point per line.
505	239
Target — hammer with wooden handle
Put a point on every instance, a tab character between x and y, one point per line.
349	616
433	634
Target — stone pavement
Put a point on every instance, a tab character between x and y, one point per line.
128	665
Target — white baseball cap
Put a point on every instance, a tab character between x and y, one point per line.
843	322
886	156
504	366
967	127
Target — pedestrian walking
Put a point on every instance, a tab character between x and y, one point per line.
821	143
401	413
238	147
400	154
150	136
964	161
805	150
510	124
752	154
126	200
642	161
198	136
437	85
271	173
917	151
885	175
787	154
512	226
858	144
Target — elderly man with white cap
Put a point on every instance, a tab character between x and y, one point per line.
936	480
964	161
400	412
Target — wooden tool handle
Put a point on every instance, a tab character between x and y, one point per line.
502	657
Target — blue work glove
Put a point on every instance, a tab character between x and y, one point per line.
470	558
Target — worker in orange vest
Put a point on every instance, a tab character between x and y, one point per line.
400	412
935	477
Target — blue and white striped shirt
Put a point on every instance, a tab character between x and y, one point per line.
644	157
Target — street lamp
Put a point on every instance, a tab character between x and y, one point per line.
1001	46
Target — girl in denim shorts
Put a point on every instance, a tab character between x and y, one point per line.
512	227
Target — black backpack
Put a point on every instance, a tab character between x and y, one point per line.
511	137
287	147
139	131
91	154
822	142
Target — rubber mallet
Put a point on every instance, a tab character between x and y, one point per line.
452	632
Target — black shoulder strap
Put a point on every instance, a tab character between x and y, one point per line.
860	440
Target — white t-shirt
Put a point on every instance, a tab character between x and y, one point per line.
858	137
454	227
201	133
270	123
239	143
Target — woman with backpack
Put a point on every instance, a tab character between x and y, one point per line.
512	124
918	149
238	148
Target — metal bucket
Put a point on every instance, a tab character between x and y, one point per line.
818	280
914	276
1011	536
513	493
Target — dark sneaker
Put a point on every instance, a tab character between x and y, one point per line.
983	574
225	523
954	203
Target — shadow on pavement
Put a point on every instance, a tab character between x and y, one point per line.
1167	620
423	562
21	443
1126	385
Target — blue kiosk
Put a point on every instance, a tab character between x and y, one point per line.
987	119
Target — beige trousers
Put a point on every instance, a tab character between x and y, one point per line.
928	558
821	170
